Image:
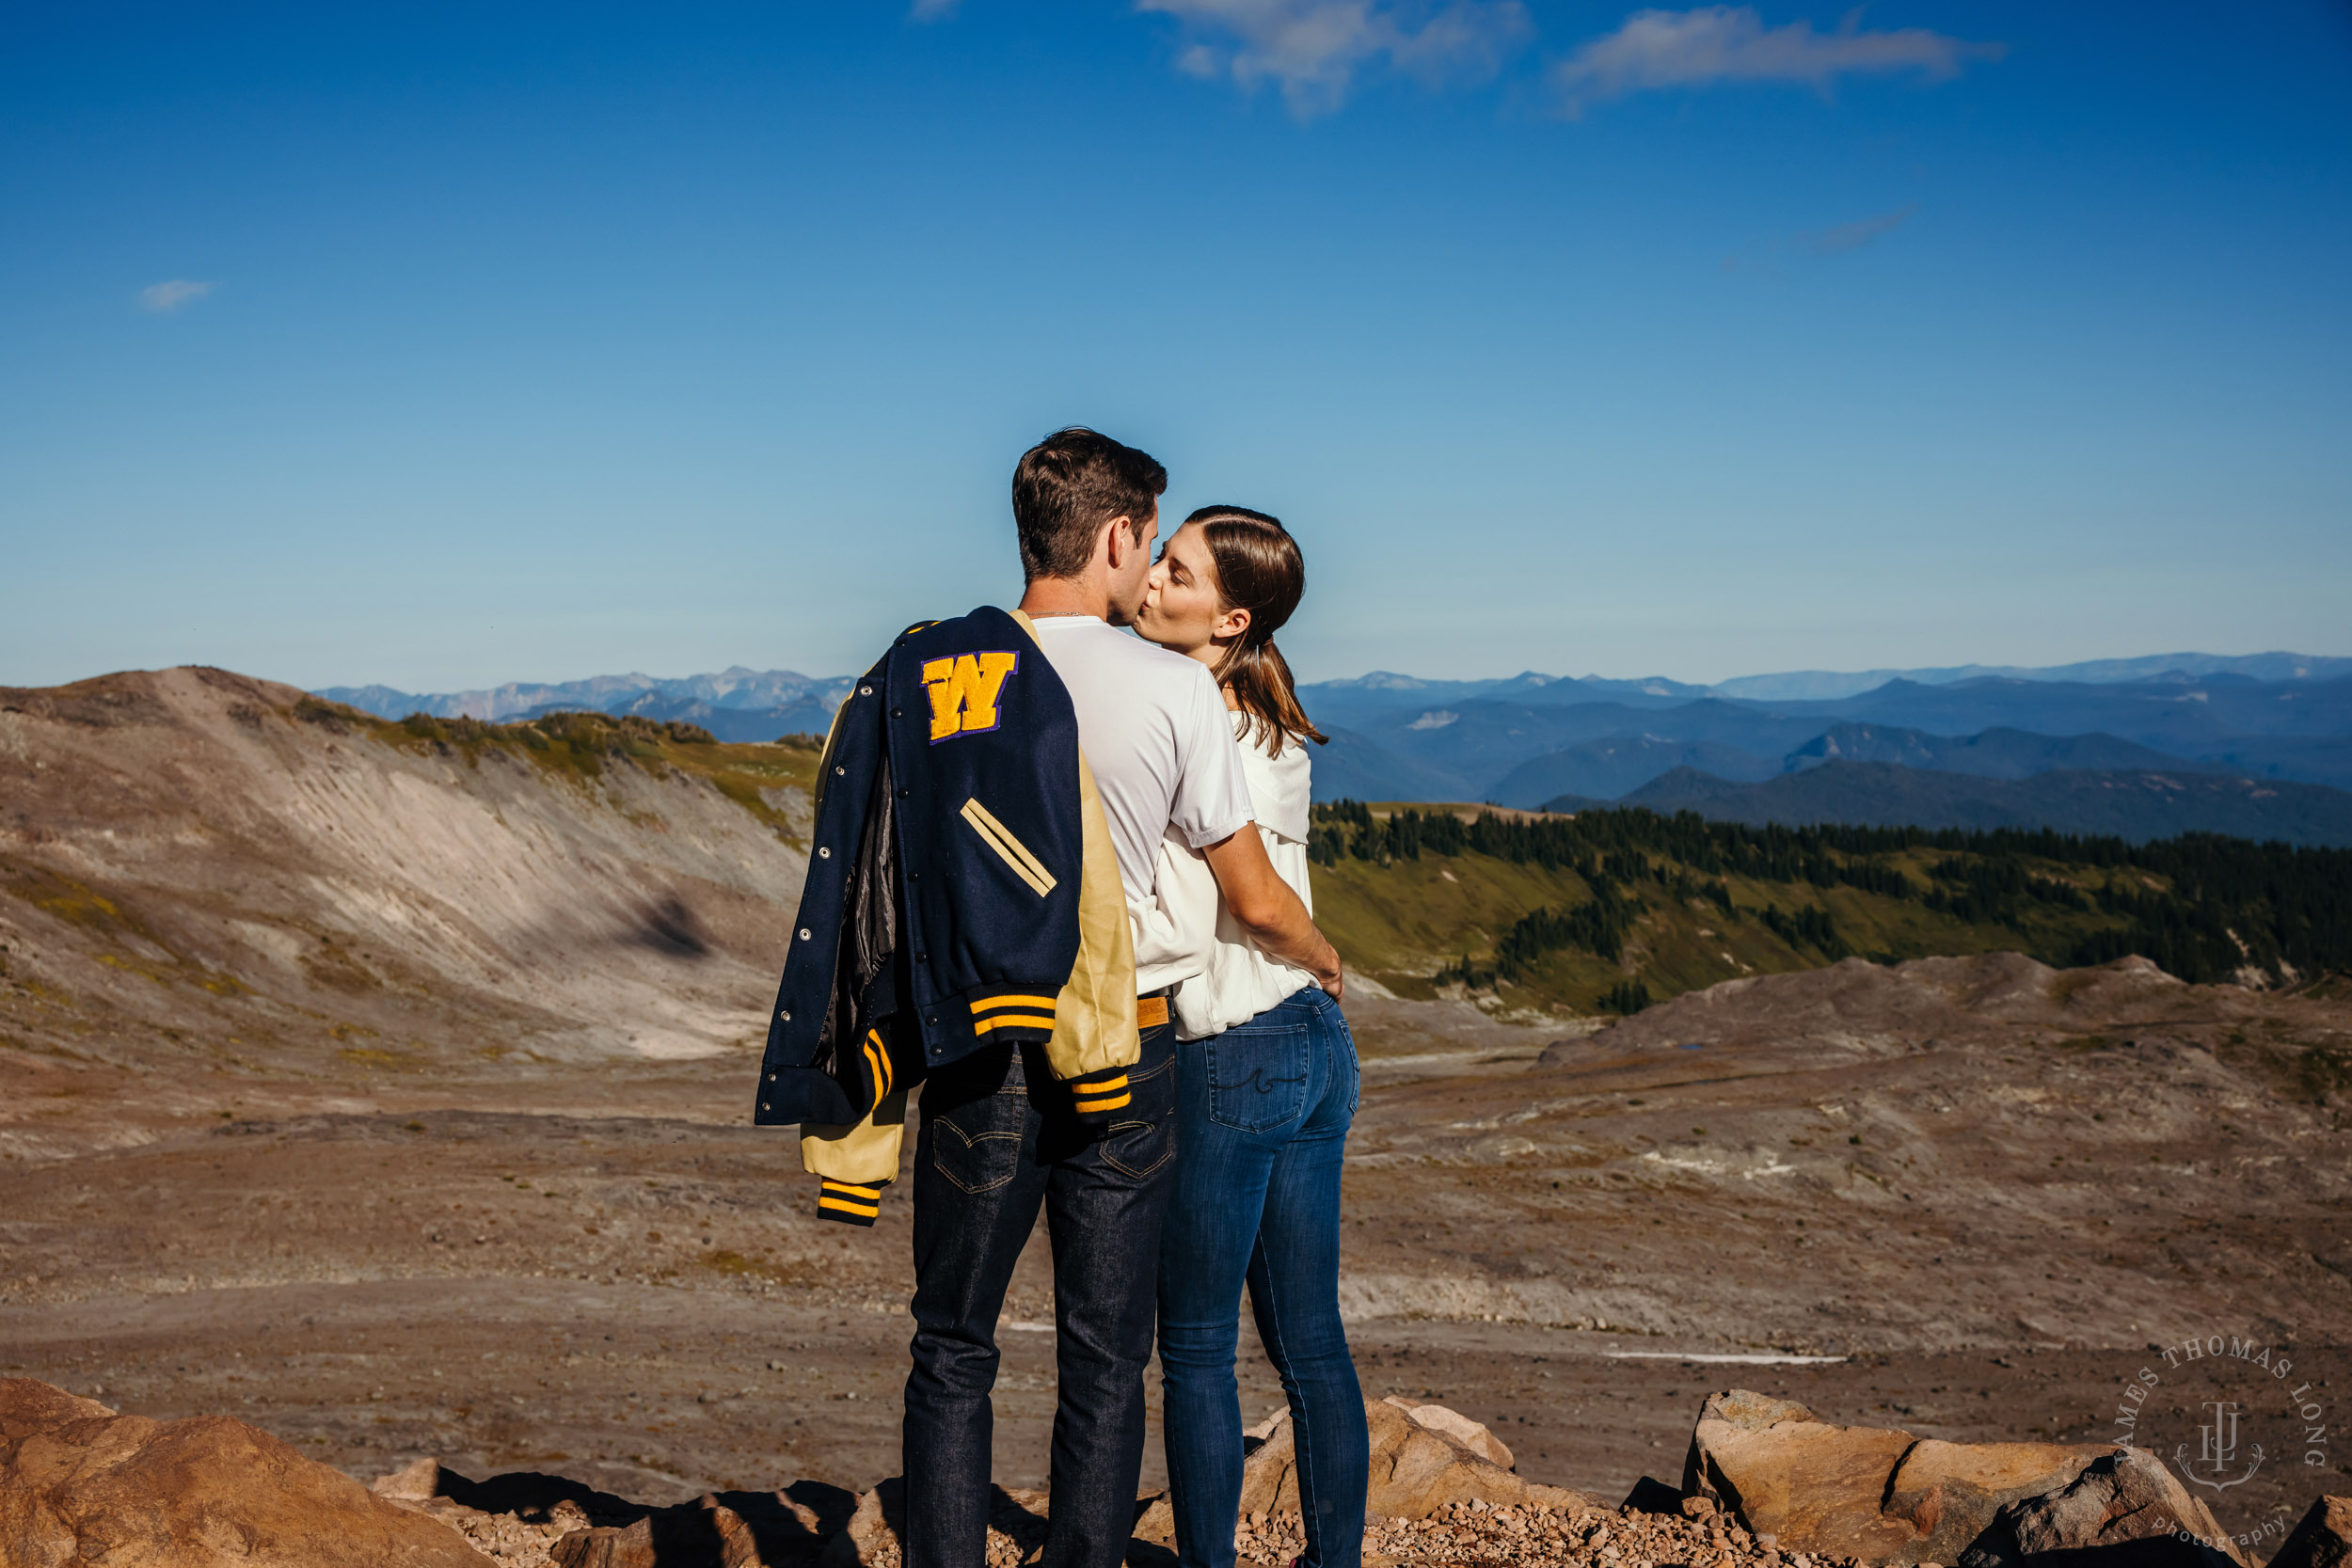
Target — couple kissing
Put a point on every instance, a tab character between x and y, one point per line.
1057	879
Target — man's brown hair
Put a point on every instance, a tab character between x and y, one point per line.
1068	487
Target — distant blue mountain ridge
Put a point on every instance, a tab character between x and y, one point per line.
736	703
2146	727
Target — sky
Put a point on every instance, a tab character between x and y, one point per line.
443	345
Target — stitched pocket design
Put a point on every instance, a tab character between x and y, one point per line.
1257	1075
1141	1144
976	1161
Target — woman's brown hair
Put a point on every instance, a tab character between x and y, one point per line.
1259	569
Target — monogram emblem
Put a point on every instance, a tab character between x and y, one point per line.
2217	1454
964	692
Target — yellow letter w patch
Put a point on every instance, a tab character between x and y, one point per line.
963	692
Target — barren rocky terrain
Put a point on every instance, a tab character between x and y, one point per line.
392	1100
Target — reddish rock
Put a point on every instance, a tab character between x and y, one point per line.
1950	1492
1474	1436
2126	1506
1421	1461
1877	1493
2323	1540
80	1484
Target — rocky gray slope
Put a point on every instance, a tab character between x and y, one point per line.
199	863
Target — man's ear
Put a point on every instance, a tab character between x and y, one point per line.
1122	541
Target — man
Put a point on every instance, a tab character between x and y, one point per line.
998	1140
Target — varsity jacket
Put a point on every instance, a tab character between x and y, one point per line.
962	891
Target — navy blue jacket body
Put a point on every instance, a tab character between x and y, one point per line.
941	909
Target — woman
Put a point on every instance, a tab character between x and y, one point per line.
1265	1087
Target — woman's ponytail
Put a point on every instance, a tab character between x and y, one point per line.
1259	569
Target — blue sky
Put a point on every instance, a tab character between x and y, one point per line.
441	346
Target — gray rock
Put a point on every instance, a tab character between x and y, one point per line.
2126	1508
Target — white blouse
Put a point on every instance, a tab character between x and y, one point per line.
1190	932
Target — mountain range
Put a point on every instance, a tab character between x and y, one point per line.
2140	742
2133	805
735	704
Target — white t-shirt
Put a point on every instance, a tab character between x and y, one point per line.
1153	728
1237	981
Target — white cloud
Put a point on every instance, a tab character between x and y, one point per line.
1731	43
163	299
1314	49
932	10
1852	236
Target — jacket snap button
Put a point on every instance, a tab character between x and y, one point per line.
824	854
934	1018
866	692
763	1105
803	933
772	1078
787	1017
897	713
904	792
922	957
839	772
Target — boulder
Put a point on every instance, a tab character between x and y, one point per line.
1877	1493
80	1483
1950	1492
1424	1458
2323	1540
1474	1436
2125	1508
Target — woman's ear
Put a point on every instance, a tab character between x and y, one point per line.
1232	624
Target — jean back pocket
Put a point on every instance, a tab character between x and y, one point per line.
1258	1072
977	1144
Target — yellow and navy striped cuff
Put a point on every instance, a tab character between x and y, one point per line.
849	1202
1020	1016
1099	1092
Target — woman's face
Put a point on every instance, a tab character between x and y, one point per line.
1184	609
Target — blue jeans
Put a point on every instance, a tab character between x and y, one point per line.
998	1142
1262	1113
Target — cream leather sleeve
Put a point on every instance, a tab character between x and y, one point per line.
864	1152
1094	1017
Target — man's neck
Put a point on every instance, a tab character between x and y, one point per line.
1066	596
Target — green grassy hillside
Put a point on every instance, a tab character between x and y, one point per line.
582	745
1612	909
1609	909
